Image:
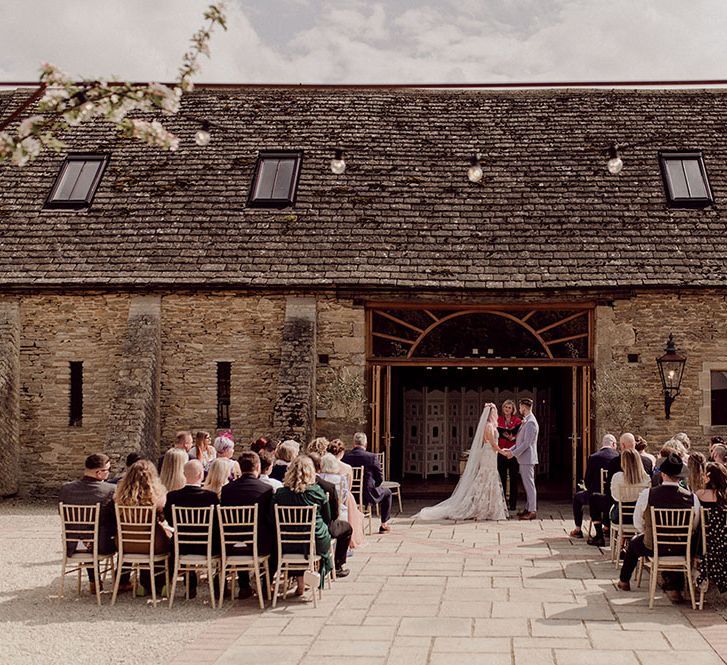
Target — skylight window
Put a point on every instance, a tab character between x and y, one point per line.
77	181
685	179
275	180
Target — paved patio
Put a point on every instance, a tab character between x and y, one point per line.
510	593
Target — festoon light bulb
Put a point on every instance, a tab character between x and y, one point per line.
474	172
615	163
338	164
202	137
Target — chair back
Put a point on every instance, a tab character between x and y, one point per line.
136	527
382	461
238	528
192	529
626	512
603	480
296	530
357	485
79	527
672	530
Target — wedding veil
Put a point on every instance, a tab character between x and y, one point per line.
456	504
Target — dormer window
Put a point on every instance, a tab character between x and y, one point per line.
685	179
275	180
77	180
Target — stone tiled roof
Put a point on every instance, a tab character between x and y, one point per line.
546	215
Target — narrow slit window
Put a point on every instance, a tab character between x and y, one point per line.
224	376
685	179
75	418
275	180
77	181
718	381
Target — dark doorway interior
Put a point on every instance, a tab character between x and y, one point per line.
552	387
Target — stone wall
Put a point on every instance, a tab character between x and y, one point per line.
55	331
9	397
295	399
342	407
134	411
640	326
199	330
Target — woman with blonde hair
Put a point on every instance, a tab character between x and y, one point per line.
319	446
696	465
141	486
203	449
337	449
218	475
627	484
172	473
300	489
285	453
225	450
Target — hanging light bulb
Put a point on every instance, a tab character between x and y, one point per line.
338	165
615	163
474	172
202	137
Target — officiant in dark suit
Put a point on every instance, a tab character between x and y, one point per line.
508	424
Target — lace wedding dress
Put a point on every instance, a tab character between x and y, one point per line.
479	494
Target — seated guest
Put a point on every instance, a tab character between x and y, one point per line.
332	470
90	489
130	459
597	462
372	479
301	489
285	453
263	444
183	441
225	450
249	490
627	485
718	453
141	486
172	473
319	446
714	497
671	447
203	449
641	448
218	475
267	460
668	494
338	450
696	467
684	440
192	495
338	526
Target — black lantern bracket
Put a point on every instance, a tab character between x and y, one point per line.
671	370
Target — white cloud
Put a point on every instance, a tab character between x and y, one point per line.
355	41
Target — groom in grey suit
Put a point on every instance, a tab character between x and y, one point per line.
526	452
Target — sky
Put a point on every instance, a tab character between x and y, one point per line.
352	41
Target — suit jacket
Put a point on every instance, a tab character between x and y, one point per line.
597	462
193	496
526	443
373	475
248	490
86	492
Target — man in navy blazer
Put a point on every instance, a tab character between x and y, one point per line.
373	477
597	462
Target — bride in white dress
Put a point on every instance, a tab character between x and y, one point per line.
479	494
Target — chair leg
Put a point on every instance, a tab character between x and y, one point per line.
259	588
653	574
690	582
153	583
97	580
222	580
117	579
79	579
171	592
398	498
639	572
186	585
277	587
210	580
63	577
266	566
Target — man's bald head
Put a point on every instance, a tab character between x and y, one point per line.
627	441
193	472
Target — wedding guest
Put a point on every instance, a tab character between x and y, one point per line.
696	464
141	486
336	450
285	453
203	449
719	453
712	566
338	526
249	490
172	474
627	485
301	489
225	448
130	459
667	495
319	446
218	475
372	478
508	424
597	462
267	460
193	495
263	444
684	440
641	448
673	446
183	441
90	489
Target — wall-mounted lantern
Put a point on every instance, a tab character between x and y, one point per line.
671	369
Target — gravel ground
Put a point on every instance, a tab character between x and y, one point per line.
39	627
